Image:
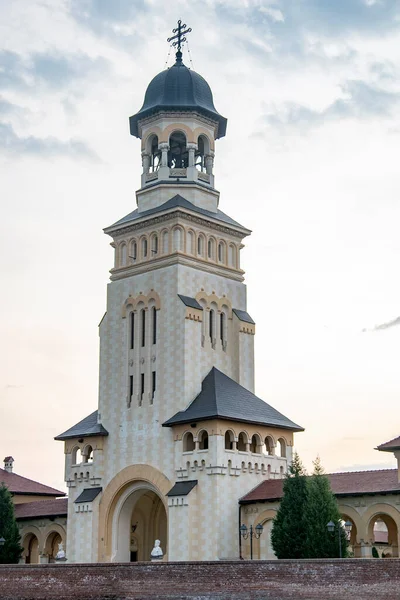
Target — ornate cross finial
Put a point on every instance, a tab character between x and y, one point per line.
179	37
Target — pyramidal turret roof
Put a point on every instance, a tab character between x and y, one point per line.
223	398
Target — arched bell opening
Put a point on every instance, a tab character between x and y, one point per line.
153	153
178	156
139	519
203	150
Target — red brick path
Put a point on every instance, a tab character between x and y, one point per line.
351	579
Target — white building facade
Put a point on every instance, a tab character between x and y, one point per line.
179	435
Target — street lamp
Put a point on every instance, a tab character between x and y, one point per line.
2	541
250	533
347	527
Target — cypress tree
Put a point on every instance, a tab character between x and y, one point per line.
321	508
289	528
10	552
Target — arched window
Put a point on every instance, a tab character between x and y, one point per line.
123	255
203	440
177	239
269	446
221	252
131	330
229	439
144	247
154	244
255	444
190	248
203	148
222	328
155	154
211	329
143	327
76	456
133	251
211	249
242	441
154	324
188	442
165	242
282	447
232	255
200	245
178	157
88	454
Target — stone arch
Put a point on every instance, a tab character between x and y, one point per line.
201	245
282	446
133	250
232	256
211	248
76	455
154	130
262	546
221	252
123	254
175	127
188	444
132	303
165	241
53	536
269	445
390	516
229	439
255	444
32	544
178	238
243	440
87	453
190	242
141	475
203	439
198	131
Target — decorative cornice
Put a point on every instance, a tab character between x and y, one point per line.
179	214
173	259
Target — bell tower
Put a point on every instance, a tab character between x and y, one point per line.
179	435
178	125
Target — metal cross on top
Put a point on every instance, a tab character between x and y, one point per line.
179	36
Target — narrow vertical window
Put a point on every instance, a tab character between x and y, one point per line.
132	330
222	327
153	384
154	325
130	386
141	388
144	248
211	325
155	245
209	249
143	327
220	252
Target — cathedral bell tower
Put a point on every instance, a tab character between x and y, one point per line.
179	435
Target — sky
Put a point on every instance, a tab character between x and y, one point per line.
310	164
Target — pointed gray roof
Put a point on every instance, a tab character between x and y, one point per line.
177	201
85	428
222	398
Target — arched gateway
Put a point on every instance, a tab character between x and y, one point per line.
133	511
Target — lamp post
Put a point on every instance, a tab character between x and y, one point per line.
2	541
347	527
250	533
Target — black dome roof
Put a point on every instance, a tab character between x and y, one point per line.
175	89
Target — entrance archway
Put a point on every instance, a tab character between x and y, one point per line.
383	531
139	519
31	549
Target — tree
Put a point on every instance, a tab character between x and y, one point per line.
321	508
10	552
289	528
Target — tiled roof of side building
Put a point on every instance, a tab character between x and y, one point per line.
223	398
17	484
352	483
176	202
390	446
85	428
42	509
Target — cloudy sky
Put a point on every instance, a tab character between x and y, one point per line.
310	163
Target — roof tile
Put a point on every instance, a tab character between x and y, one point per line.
21	485
343	484
42	508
